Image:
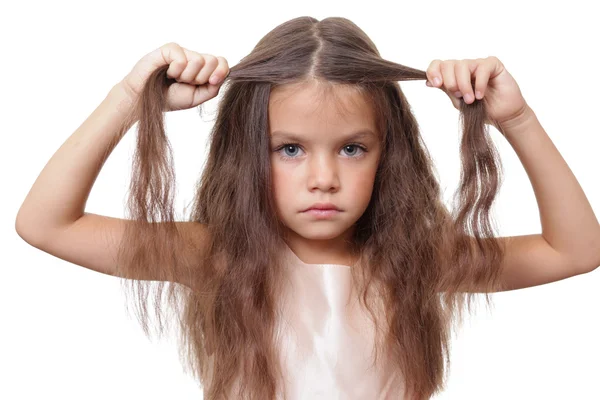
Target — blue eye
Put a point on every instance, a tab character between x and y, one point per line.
355	146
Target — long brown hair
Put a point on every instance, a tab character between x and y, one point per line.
416	253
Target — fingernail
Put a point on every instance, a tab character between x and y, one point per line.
478	94
437	81
214	79
427	83
457	94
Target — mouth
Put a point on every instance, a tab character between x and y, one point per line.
322	207
322	213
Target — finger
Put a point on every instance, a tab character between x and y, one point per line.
449	78
482	77
174	55
211	63
195	62
220	72
433	72
463	81
204	93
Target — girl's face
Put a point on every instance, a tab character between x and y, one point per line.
322	160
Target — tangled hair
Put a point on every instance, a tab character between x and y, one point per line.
416	256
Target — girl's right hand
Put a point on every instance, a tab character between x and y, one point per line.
190	69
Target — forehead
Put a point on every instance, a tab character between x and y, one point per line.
315	109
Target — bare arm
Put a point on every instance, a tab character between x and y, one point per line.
569	224
58	197
52	217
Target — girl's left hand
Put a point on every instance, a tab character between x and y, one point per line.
501	95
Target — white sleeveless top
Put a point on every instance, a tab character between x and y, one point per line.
327	338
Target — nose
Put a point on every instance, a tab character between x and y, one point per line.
323	173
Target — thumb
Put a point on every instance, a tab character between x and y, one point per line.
205	92
455	100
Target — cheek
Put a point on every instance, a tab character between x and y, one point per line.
362	186
280	185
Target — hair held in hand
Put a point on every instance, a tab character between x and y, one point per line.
415	255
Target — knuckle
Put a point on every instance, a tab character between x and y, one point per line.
193	55
171	45
224	61
434	65
210	60
494	60
196	60
451	84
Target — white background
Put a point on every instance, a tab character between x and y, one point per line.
65	333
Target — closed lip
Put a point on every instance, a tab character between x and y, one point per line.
322	206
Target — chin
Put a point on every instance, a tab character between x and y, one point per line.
320	231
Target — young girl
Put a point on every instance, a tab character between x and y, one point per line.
319	260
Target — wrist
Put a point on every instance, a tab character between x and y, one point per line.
124	98
519	123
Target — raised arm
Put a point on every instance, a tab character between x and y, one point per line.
53	218
57	198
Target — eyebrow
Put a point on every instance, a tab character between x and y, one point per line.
360	134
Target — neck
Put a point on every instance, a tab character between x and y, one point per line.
326	251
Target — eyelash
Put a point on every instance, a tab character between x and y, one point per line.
363	149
